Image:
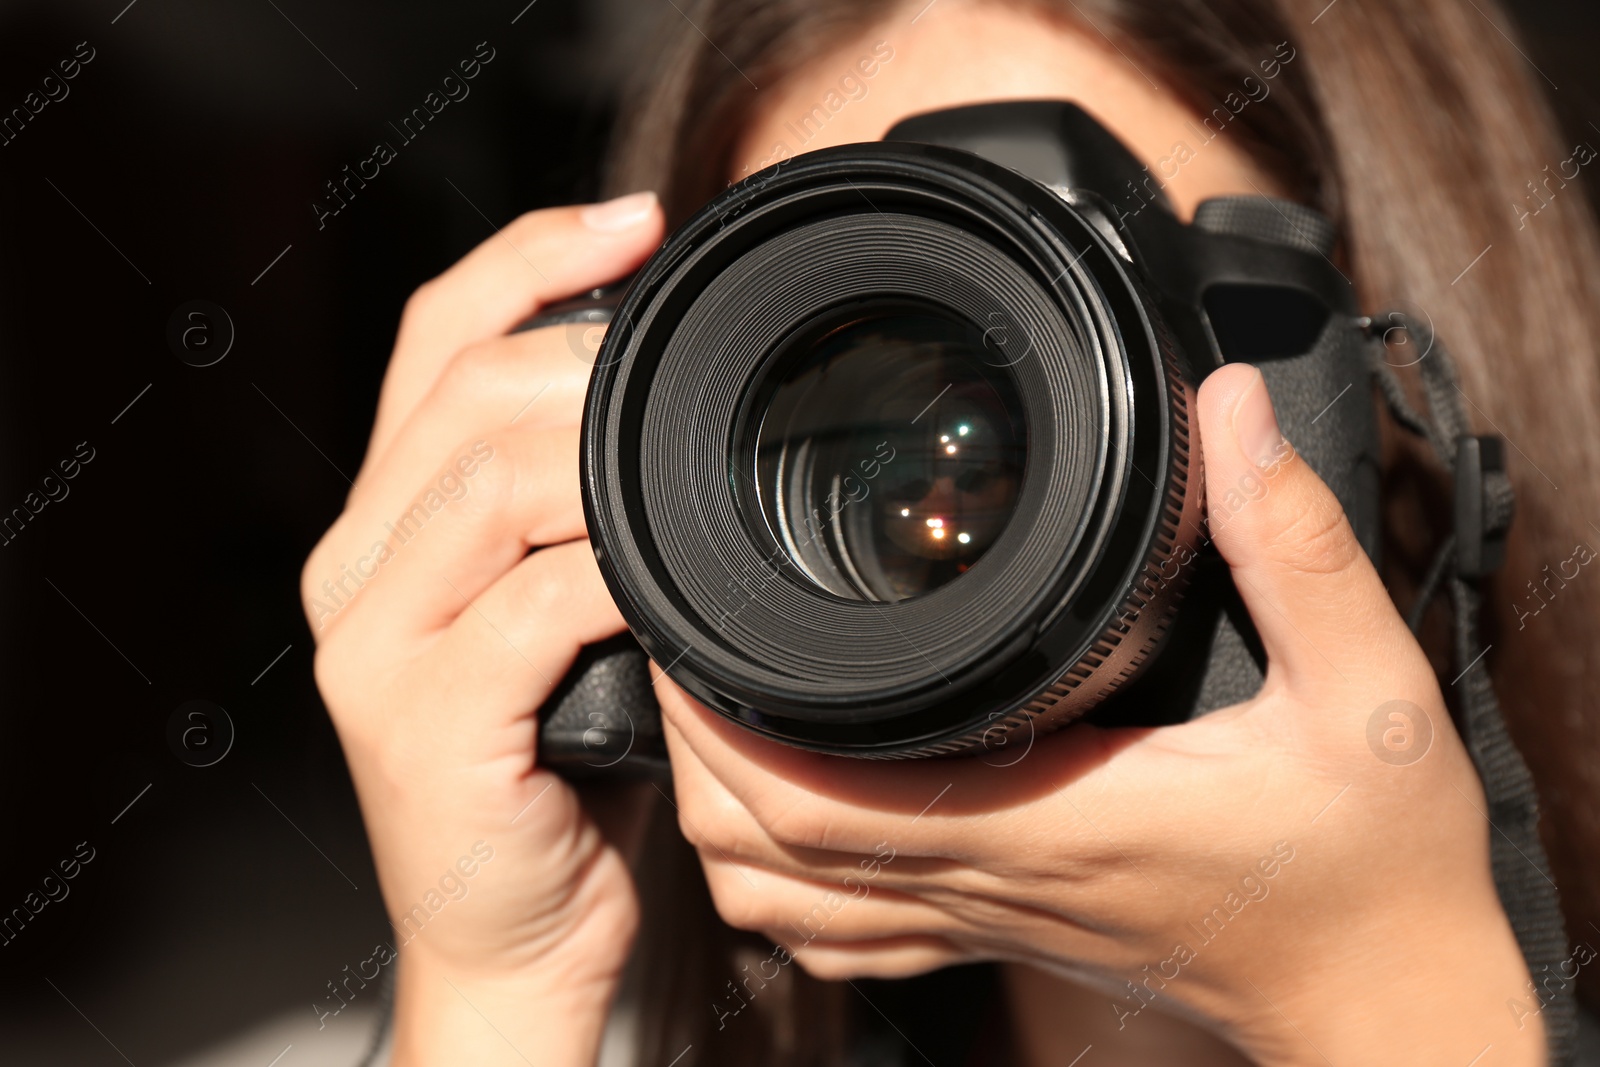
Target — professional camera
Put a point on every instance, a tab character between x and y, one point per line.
890	452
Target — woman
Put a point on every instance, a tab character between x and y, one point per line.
1377	936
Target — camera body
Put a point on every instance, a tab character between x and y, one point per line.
888	451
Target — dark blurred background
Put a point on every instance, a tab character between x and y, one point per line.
182	166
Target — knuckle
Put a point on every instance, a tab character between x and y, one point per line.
420	304
689	827
332	668
692	818
542	590
535	594
826	966
529	226
310	578
707	825
374	719
736	905
320	567
476	370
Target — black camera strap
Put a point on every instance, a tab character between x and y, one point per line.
1483	507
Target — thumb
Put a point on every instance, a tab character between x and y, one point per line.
1318	604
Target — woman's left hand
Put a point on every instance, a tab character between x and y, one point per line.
1315	896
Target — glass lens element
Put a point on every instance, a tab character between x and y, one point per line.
889	453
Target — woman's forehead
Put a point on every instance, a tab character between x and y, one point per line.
955	54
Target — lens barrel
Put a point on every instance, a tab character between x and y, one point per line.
887	453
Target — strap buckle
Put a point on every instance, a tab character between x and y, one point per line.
1484	503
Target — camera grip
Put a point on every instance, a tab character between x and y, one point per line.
603	719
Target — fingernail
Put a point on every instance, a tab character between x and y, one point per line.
623	213
1255	424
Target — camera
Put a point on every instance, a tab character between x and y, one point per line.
889	450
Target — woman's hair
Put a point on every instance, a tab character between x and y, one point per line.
1421	129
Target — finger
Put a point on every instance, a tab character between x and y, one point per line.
492	668
807	800
514	642
840	901
716	823
1083	835
889	958
526	380
921	808
854	908
460	532
538	258
1318	604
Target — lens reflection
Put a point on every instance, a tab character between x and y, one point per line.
888	456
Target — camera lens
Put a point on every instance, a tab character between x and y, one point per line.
886	452
872	491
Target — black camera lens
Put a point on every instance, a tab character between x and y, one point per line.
884	453
873	492
889	454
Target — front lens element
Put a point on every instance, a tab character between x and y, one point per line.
887	450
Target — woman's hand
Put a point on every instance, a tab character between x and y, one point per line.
439	636
1287	869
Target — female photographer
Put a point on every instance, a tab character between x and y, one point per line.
1367	927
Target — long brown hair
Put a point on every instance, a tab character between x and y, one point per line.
1422	129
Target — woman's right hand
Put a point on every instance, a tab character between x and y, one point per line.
439	636
1125	858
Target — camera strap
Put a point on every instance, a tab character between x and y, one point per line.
1483	506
